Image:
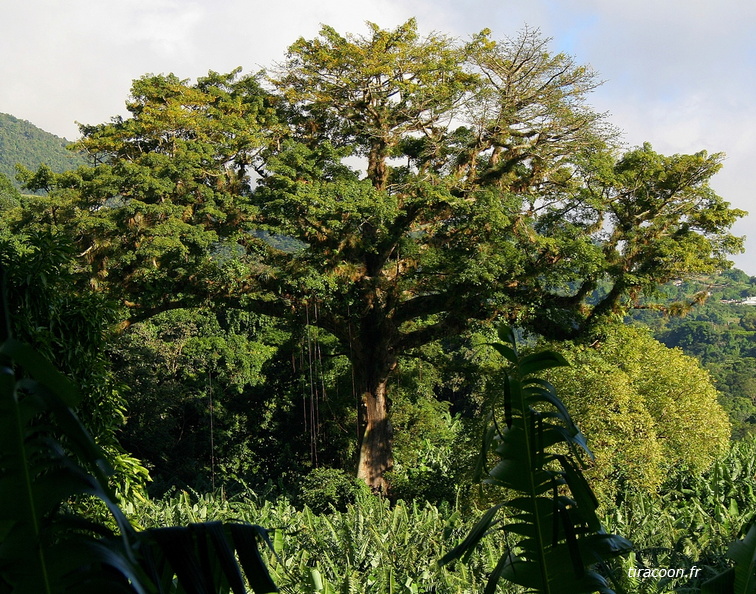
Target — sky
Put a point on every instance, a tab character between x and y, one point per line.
680	74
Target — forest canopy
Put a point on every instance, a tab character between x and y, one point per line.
485	188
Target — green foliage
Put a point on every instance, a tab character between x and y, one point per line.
644	407
9	195
372	546
164	197
22	143
689	522
740	579
186	376
328	489
491	189
736	380
654	190
679	396
558	536
372	92
708	342
231	398
621	431
433	454
47	459
70	327
716	329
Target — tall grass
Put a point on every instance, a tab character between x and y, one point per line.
373	546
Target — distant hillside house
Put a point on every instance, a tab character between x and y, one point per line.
746	301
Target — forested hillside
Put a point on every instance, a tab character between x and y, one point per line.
473	316
719	331
23	143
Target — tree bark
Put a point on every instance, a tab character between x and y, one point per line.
375	448
377	171
374	360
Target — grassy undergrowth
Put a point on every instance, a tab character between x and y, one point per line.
691	522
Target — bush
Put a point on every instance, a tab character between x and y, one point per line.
436	475
328	489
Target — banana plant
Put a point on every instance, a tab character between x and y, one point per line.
740	579
555	539
47	461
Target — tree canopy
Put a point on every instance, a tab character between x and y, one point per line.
484	186
9	194
645	408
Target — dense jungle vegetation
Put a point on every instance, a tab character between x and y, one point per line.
288	298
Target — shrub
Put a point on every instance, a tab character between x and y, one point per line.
328	489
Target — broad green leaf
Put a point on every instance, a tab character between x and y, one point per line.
743	553
480	529
540	361
558	537
245	540
42	371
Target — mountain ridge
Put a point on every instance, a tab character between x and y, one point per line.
23	143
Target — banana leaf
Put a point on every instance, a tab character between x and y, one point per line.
557	537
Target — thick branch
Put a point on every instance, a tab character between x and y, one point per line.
422	305
449	326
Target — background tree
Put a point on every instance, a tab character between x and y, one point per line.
187	376
170	178
490	189
9	194
645	409
70	327
736	380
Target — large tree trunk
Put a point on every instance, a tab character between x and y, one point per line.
374	361
375	447
377	171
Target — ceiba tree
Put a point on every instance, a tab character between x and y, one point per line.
400	187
